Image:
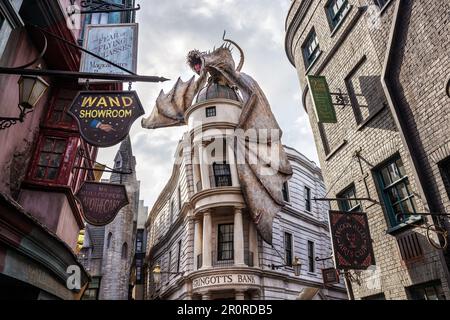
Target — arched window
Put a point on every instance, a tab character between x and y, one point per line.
108	240
124	250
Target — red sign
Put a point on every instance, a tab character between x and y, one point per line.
105	117
330	276
101	201
352	244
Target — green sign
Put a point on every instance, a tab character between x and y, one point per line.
323	104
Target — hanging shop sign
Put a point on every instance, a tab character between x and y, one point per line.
114	42
322	101
352	244
101	202
330	276
105	117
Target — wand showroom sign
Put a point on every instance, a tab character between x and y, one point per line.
105	117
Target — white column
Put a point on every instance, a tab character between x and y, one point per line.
239	295
253	242
232	161
196	168
207	231
204	167
198	237
238	237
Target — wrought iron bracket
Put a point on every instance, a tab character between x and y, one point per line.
341	99
323	259
7	122
101	6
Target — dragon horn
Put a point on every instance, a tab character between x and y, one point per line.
241	52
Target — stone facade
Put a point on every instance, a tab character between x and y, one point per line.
389	60
195	215
108	251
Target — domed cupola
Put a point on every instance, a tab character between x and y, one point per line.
216	90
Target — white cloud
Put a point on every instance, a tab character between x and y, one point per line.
168	30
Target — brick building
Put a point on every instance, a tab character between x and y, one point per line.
389	59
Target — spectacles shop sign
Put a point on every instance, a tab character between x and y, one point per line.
114	42
225	279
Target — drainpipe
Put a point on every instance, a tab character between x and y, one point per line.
400	123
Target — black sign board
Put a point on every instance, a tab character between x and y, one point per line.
330	276
101	201
105	117
352	244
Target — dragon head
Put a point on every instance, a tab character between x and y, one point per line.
218	59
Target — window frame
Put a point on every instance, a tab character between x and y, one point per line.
414	290
344	194
221	242
384	189
308	200
309	58
285	191
311	256
217	177
210	112
40	151
288	248
341	13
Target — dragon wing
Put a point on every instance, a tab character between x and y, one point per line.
170	107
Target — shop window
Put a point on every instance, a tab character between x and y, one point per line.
91	293
427	291
396	192
60	107
349	205
50	157
225	242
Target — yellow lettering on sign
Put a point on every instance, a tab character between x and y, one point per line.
114	102
127	101
88	101
102	102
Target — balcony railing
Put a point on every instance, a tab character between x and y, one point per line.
216	262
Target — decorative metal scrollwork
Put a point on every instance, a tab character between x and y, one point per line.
102	6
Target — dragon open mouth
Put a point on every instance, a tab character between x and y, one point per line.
195	61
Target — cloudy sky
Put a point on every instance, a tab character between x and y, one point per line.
168	30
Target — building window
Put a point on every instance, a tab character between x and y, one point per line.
427	291
60	107
310	49
222	174
225	243
288	248
285	191
381	3
139	240
171	211
108	241
336	11
91	293
445	172
379	296
50	158
210	112
396	191
179	256
179	197
307	199
311	261
349	205
124	251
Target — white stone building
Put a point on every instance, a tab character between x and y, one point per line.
201	235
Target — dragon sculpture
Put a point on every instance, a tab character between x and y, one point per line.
261	178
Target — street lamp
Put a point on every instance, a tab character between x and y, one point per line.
296	265
31	89
157	274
